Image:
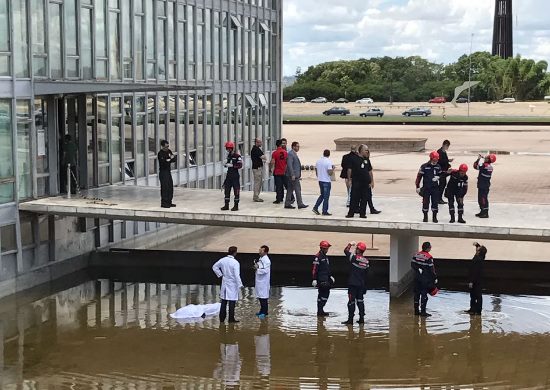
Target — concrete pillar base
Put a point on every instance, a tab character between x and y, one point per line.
402	248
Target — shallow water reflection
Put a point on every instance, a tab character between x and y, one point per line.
107	335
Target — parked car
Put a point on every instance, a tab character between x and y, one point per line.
319	100
418	111
547	98
299	99
337	111
507	100
365	101
462	100
342	100
438	99
373	112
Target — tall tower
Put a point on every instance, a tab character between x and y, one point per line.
502	29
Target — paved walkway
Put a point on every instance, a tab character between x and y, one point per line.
401	215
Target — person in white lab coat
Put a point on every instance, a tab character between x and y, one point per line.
263	278
229	269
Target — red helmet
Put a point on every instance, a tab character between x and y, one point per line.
434	155
463	168
229	145
433	292
361	246
492	158
324	244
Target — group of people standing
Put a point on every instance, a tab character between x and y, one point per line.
422	264
433	177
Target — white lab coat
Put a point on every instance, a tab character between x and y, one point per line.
263	277
229	270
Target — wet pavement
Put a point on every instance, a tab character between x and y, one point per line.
112	335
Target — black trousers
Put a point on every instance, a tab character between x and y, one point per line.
359	197
166	187
431	195
232	182
442	184
483	198
281	182
355	297
459	202
263	305
322	297
369	199
420	295
476	298
223	310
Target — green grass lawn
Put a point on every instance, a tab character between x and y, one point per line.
412	119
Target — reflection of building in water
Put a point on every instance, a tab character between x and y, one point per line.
228	369
263	353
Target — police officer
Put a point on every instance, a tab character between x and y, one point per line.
445	164
322	277
429	173
475	277
166	159
425	278
233	163
457	189
346	163
359	266
483	165
362	181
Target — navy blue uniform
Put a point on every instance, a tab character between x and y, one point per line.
233	178
424	279
445	165
321	273
475	278
456	190
357	285
429	174
483	184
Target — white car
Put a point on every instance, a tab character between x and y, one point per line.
507	100
299	99
547	98
319	100
365	101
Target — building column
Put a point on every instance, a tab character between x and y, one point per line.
402	248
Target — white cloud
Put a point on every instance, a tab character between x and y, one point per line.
319	30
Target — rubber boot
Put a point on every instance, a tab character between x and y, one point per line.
424	314
226	206
361	319
425	217
235	207
484	214
479	214
350	315
460	219
348	322
434	217
452	217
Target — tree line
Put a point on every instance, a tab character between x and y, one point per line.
414	78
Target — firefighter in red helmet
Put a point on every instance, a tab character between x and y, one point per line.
456	190
485	168
429	174
322	277
425	279
233	163
357	285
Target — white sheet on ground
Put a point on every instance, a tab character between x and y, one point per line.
197	311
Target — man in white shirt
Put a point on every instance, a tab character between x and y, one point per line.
263	276
324	169
229	269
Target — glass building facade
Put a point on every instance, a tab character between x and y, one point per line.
119	76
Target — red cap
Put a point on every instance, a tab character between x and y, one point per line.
324	244
229	145
463	168
361	246
492	158
434	155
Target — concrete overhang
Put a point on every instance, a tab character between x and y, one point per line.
48	87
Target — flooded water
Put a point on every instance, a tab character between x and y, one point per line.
107	335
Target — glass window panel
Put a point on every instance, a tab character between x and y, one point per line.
182	36
127	39
140	137
41	125
39	66
86	29
171	37
101	47
128	138
102	131
138	6
161	30
115	148
6	193
21	40
8	238
172	123
90	151
71	24
150	31
114	35
38	33
4	65
200	44
72	67
138	28
24	160
4	26
26	233
43	230
140	104
6	140
160	8
55	41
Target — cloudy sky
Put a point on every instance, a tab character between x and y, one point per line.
316	31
